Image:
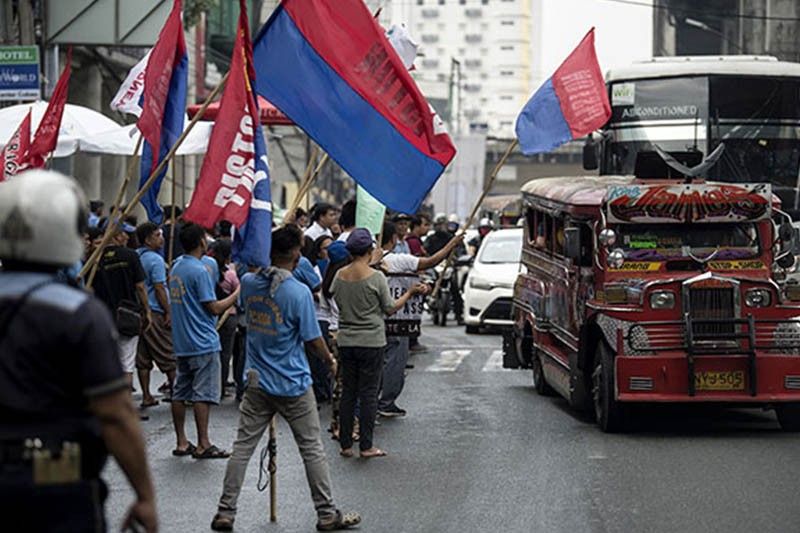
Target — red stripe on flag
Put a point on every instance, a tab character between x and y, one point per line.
353	44
14	151
581	90
46	136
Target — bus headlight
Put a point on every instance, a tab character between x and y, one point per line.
662	300
757	298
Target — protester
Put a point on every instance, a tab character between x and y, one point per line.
401	224
95	213
420	226
347	219
300	218
322	218
362	296
155	345
225	284
280	316
61	381
194	307
397	348
119	283
328	317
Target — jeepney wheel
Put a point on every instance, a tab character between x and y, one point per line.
539	382
789	417
608	411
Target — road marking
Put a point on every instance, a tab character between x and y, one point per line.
495	362
449	360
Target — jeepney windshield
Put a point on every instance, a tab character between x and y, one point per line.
666	242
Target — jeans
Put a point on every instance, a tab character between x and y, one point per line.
197	379
239	353
394	371
361	374
256	411
320	373
226	336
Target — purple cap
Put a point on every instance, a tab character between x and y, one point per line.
359	241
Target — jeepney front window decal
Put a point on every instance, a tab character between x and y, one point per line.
665	242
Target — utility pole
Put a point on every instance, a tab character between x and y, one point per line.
25	12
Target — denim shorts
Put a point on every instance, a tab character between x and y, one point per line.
198	378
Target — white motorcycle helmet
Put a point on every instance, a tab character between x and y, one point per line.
42	218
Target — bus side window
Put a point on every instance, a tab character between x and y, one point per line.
557	248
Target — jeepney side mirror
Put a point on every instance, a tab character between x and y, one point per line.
590	154
572	243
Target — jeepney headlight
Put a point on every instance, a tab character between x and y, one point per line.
757	298
608	237
662	300
616	258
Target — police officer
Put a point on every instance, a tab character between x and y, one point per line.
64	400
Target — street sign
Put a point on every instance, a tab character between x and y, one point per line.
19	73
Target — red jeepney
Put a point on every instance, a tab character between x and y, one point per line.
638	291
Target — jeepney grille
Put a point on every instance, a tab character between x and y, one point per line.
712	303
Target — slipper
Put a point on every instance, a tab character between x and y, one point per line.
151	403
183	453
222	523
377	453
347	452
212	452
340	521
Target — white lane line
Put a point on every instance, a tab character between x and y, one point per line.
495	362
448	360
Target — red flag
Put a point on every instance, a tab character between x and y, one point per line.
228	176
46	136
14	151
165	55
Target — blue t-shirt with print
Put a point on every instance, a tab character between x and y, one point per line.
193	327
212	267
305	274
155	271
276	330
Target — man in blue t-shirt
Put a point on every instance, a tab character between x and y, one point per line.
155	343
281	324
196	343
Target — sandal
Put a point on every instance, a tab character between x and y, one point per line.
346	452
190	449
212	452
151	403
222	523
340	521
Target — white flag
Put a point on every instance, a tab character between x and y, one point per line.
403	44
130	92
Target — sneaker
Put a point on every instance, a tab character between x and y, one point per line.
392	412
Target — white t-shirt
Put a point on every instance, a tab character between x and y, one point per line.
343	237
401	263
315	231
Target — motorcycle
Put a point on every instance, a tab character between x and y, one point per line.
448	296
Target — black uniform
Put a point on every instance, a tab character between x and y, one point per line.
57	350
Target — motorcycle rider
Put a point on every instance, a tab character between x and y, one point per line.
485	227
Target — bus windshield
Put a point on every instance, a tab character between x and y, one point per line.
665	242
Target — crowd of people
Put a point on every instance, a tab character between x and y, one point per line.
304	335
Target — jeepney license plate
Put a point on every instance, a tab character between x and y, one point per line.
733	380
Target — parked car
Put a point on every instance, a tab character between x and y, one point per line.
490	284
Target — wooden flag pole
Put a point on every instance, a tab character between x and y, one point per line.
114	209
475	208
308	180
170	252
113	222
273	469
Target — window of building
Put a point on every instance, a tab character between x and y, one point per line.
462	26
473	12
506	22
506	97
462	2
430	63
430	13
473	38
441	77
420	2
505	123
506	47
485	2
506	72
441	2
429	38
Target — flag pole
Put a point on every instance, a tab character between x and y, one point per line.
114	209
171	251
273	469
475	208
308	180
112	223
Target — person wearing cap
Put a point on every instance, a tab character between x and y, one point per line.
401	224
62	387
362	296
119	283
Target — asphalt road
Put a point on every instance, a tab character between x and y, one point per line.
480	451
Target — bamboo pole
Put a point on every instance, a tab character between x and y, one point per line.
475	208
112	223
308	180
170	252
273	469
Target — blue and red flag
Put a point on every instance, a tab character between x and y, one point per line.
234	180
163	105
330	68
569	105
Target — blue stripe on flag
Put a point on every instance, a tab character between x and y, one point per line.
541	125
